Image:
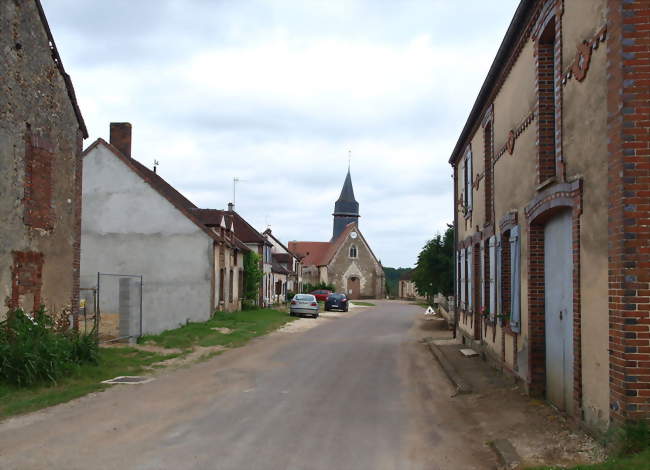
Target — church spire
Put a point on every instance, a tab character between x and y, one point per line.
346	208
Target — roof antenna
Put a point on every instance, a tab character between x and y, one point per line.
155	165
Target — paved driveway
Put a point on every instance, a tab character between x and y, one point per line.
355	392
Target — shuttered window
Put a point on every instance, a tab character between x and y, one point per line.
468	181
480	276
462	287
497	277
470	284
515	281
493	275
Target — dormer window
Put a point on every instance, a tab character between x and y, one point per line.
353	251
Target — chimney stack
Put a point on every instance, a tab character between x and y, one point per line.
231	207
121	137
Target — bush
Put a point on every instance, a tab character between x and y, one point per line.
33	352
320	286
631	438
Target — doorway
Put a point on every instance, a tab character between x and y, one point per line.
354	288
558	310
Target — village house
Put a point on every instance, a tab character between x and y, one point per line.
287	260
136	224
41	135
257	243
346	261
551	208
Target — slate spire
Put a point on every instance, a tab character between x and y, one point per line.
346	208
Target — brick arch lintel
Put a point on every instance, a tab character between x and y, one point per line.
544	206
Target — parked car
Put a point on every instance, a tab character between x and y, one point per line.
321	294
304	304
338	301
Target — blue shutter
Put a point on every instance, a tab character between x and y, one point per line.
493	276
498	281
515	281
463	278
470	283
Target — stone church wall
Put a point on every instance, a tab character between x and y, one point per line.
363	266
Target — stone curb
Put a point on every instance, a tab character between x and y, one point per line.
462	387
508	457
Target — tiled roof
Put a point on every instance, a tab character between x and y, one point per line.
245	231
214	218
277	268
314	253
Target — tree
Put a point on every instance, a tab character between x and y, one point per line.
433	271
252	277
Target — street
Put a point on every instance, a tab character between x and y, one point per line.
356	392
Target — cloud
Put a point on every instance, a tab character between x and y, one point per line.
276	92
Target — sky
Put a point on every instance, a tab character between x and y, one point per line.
279	93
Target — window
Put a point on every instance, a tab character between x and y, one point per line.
492	276
515	281
468	197
353	251
469	260
230	287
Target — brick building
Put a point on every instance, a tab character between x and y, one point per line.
41	133
552	203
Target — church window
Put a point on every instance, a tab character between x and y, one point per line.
353	251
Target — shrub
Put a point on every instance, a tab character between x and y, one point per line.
33	352
321	285
631	438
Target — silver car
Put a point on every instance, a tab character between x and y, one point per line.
304	304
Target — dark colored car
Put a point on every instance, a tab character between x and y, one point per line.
336	301
321	294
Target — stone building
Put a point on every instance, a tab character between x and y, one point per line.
288	260
551	182
346	261
41	134
406	287
135	223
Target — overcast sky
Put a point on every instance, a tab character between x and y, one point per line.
276	92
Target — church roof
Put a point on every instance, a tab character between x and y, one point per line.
346	203
322	253
313	253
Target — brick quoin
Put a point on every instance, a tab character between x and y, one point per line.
628	124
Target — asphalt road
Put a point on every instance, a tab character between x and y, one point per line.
357	392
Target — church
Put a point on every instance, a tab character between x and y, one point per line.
346	261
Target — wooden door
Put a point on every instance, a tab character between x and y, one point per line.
558	310
354	288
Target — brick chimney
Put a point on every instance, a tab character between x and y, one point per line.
121	137
231	207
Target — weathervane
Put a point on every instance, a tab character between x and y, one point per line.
155	165
349	159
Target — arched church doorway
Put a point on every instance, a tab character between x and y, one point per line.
354	288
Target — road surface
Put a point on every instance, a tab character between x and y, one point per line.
357	392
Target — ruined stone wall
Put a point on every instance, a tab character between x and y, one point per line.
40	168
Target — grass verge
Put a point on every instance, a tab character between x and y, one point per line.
363	304
242	327
85	379
640	461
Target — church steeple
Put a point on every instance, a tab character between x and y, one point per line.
346	208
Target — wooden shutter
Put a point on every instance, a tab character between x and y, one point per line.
493	276
470	291
480	276
461	287
470	190
515	281
498	280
